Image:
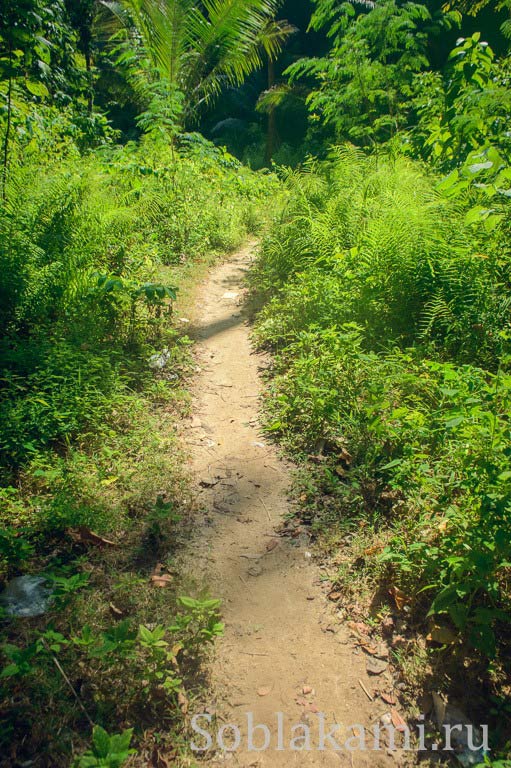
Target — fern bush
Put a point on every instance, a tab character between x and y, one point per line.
389	315
371	241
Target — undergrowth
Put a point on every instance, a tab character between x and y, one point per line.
93	496
387	312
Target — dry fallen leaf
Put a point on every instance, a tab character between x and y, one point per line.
388	698
115	611
264	691
374	550
161	580
400	598
84	535
335	596
359	628
397	721
307	689
271	545
381	651
372	650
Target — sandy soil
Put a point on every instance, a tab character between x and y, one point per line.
283	651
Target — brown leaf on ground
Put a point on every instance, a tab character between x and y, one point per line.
162	580
372	650
397	721
271	545
335	596
359	628
400	598
84	535
380	651
307	689
388	698
264	691
115	611
374	550
159	578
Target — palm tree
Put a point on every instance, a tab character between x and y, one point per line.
199	48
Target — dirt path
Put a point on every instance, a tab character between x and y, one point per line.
278	653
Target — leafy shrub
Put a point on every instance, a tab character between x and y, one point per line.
370	240
382	311
81	248
108	751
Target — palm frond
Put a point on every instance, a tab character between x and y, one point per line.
200	49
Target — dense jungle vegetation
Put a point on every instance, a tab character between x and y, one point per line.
139	138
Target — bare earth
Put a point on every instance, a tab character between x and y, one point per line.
279	653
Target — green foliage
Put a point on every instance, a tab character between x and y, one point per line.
194	51
465	109
387	321
362	87
107	751
371	241
198	623
80	252
91	250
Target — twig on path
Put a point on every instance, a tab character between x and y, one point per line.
266	508
243	581
371	698
247	653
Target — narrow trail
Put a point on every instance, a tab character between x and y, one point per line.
279	653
